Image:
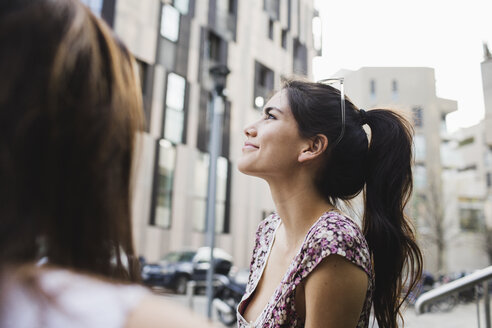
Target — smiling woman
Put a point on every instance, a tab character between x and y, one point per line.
312	265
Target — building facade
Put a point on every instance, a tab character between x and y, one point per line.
465	188
175	44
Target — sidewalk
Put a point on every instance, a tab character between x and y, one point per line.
462	316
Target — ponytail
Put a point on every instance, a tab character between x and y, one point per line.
383	168
387	230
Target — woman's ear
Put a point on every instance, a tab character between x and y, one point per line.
315	146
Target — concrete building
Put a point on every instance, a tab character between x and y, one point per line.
465	195
466	159
486	68
175	43
411	91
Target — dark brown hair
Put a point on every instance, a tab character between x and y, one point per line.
69	112
383	168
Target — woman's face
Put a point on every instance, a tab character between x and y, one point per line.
273	142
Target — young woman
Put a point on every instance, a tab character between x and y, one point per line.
70	108
312	265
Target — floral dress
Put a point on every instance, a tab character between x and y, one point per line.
333	233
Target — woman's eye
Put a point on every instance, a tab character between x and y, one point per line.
269	116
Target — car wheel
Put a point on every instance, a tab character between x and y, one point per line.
181	285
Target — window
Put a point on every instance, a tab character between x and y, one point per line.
317	34
272	7
199	205
94	5
420	176
394	89
471	219
214	45
417	114
467	141
231	7
182	6
419	144
170	23
204	124
471	167
143	71
299	57
270	28
174	121
372	89
284	39
163	184
444	127
264	84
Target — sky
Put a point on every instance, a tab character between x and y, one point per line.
444	35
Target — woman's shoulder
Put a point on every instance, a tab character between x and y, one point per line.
335	233
341	224
66	298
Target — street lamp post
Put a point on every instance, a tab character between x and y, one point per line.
219	75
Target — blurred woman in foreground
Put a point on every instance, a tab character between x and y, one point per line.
69	112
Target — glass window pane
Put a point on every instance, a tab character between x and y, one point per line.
200	192
173	128
201	174
175	94
167	158
419	143
420	177
199	214
170	23
219	217
221	179
182	6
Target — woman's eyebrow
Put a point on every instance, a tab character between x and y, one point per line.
270	108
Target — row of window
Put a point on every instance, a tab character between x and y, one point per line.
373	89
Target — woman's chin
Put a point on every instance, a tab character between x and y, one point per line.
245	167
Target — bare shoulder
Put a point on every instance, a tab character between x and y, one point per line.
335	292
156	312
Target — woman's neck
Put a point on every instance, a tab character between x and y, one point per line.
298	204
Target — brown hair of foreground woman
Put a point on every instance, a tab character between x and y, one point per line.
70	108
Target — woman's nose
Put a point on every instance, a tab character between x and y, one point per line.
250	131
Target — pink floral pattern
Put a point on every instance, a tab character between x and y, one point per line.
333	233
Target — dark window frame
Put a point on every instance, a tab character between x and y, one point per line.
155	189
185	109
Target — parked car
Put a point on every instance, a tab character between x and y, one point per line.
177	268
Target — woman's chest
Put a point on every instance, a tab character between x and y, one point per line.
271	288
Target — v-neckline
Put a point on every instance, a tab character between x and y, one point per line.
267	257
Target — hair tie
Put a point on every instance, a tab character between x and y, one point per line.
363	116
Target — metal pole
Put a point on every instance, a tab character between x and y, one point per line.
214	148
477	298
486	301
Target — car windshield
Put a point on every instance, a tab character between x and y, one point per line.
179	257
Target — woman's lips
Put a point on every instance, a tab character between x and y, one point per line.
249	145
